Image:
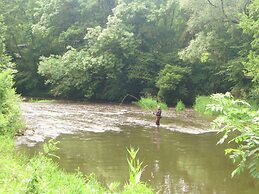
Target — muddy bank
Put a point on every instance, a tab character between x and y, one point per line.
49	120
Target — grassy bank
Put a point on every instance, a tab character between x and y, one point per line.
19	174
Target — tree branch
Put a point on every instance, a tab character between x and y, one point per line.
224	13
211	3
246	5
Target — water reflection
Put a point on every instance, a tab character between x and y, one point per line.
176	163
156	138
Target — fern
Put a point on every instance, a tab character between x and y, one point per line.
239	117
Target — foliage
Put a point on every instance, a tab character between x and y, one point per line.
40	174
240	125
10	120
217	47
4	59
150	102
170	79
40	28
135	166
103	50
139	188
135	172
68	76
249	23
201	103
179	106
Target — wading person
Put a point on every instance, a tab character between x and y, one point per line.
158	116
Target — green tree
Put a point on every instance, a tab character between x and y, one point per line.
249	22
135	44
122	47
170	81
10	120
4	59
41	28
216	47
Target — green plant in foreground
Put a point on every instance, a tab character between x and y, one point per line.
179	106
135	172
50	147
40	174
239	122
135	169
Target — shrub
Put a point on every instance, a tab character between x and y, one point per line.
10	114
200	104
179	106
239	123
150	102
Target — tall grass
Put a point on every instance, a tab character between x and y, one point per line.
150	102
40	174
179	106
135	172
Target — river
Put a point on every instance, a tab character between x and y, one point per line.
181	156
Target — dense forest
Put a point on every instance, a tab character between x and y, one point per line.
175	51
105	49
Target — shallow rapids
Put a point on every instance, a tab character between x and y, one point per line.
49	120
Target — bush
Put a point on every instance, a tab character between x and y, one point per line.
150	102
200	104
179	106
10	114
239	123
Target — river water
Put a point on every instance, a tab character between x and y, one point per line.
180	156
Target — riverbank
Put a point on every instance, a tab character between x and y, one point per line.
19	174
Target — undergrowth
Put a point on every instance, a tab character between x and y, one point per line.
19	174
10	120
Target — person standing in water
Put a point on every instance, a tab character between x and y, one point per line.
158	116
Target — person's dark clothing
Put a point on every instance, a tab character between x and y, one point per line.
158	116
158	113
